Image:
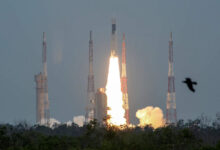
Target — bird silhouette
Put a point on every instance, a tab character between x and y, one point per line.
190	84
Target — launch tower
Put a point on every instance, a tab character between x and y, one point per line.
124	81
171	96
90	110
43	114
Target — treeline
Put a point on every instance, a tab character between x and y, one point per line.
191	135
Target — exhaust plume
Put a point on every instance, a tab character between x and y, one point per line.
150	116
114	94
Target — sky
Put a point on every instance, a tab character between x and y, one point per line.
146	24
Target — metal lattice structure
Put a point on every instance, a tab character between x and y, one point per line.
171	117
42	109
90	109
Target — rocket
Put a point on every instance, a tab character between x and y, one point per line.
123	72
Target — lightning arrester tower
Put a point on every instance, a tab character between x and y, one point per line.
46	100
124	82
90	110
171	96
43	114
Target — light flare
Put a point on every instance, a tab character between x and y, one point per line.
116	111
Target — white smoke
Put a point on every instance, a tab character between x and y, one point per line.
53	123
69	123
150	116
79	120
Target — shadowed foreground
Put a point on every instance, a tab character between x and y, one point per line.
192	135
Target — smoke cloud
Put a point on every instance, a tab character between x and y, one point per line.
69	123
79	120
150	116
53	123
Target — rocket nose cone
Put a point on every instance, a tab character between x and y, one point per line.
113	26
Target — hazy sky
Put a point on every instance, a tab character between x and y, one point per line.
196	33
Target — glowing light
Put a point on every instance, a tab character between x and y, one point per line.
114	94
150	116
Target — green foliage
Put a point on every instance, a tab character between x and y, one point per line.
184	136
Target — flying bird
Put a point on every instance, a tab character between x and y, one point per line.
190	84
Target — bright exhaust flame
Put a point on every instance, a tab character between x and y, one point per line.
150	116
114	94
